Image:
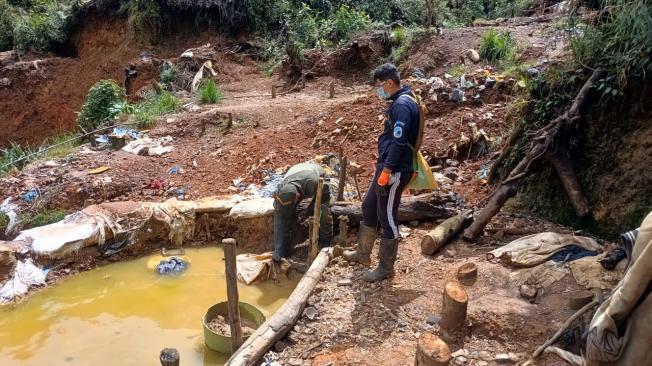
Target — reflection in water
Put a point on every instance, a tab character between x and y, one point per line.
124	314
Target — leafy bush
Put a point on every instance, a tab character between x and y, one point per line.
621	43
402	39
346	22
208	92
6	26
99	107
154	105
10	156
143	16
412	11
168	75
496	46
45	25
271	53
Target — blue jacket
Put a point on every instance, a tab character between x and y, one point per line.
401	128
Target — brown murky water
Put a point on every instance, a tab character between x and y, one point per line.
124	314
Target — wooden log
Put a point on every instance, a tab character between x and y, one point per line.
232	293
453	311
229	122
331	90
314	234
467	274
344	222
169	357
342	183
561	161
545	140
432	351
422	207
444	232
273	91
283	320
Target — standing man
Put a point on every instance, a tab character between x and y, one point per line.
393	173
300	182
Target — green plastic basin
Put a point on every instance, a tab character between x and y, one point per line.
218	342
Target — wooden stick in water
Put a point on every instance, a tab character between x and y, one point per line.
232	293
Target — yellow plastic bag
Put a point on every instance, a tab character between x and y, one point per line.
422	177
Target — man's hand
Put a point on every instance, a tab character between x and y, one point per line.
384	179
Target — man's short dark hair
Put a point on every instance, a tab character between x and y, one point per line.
387	72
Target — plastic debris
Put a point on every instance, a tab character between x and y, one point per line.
457	96
418	73
30	196
532	71
181	193
99	170
9	209
177	169
25	276
170	265
489	82
483	173
149	146
121	132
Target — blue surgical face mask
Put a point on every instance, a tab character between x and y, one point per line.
382	93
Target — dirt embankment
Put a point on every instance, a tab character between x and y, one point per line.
40	96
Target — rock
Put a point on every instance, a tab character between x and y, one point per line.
457	95
507	357
451	173
577	299
527	292
433	319
452	162
436	84
345	283
310	312
5	83
280	346
472	55
532	71
485	356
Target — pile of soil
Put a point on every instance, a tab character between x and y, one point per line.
220	325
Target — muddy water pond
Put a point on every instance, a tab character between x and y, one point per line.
125	313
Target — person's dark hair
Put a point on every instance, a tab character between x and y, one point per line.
387	72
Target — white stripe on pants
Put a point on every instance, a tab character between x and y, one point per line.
390	203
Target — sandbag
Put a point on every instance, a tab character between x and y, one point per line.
257	267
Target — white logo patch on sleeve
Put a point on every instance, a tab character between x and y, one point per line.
398	130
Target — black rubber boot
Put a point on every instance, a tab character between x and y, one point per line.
366	239
387	257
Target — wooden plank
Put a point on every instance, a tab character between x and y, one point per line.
232	293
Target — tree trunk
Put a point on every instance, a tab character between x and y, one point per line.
283	320
453	311
432	351
545	140
561	161
444	232
423	207
467	274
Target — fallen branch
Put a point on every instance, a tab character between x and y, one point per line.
544	141
561	330
283	320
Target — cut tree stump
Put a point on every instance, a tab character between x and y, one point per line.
453	310
432	351
422	207
444	232
542	146
467	274
169	357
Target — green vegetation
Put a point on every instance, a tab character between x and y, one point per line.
4	222
41	218
402	39
142	16
17	156
99	108
496	47
208	92
154	105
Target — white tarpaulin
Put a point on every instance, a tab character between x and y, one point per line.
531	250
257	267
25	276
149	146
